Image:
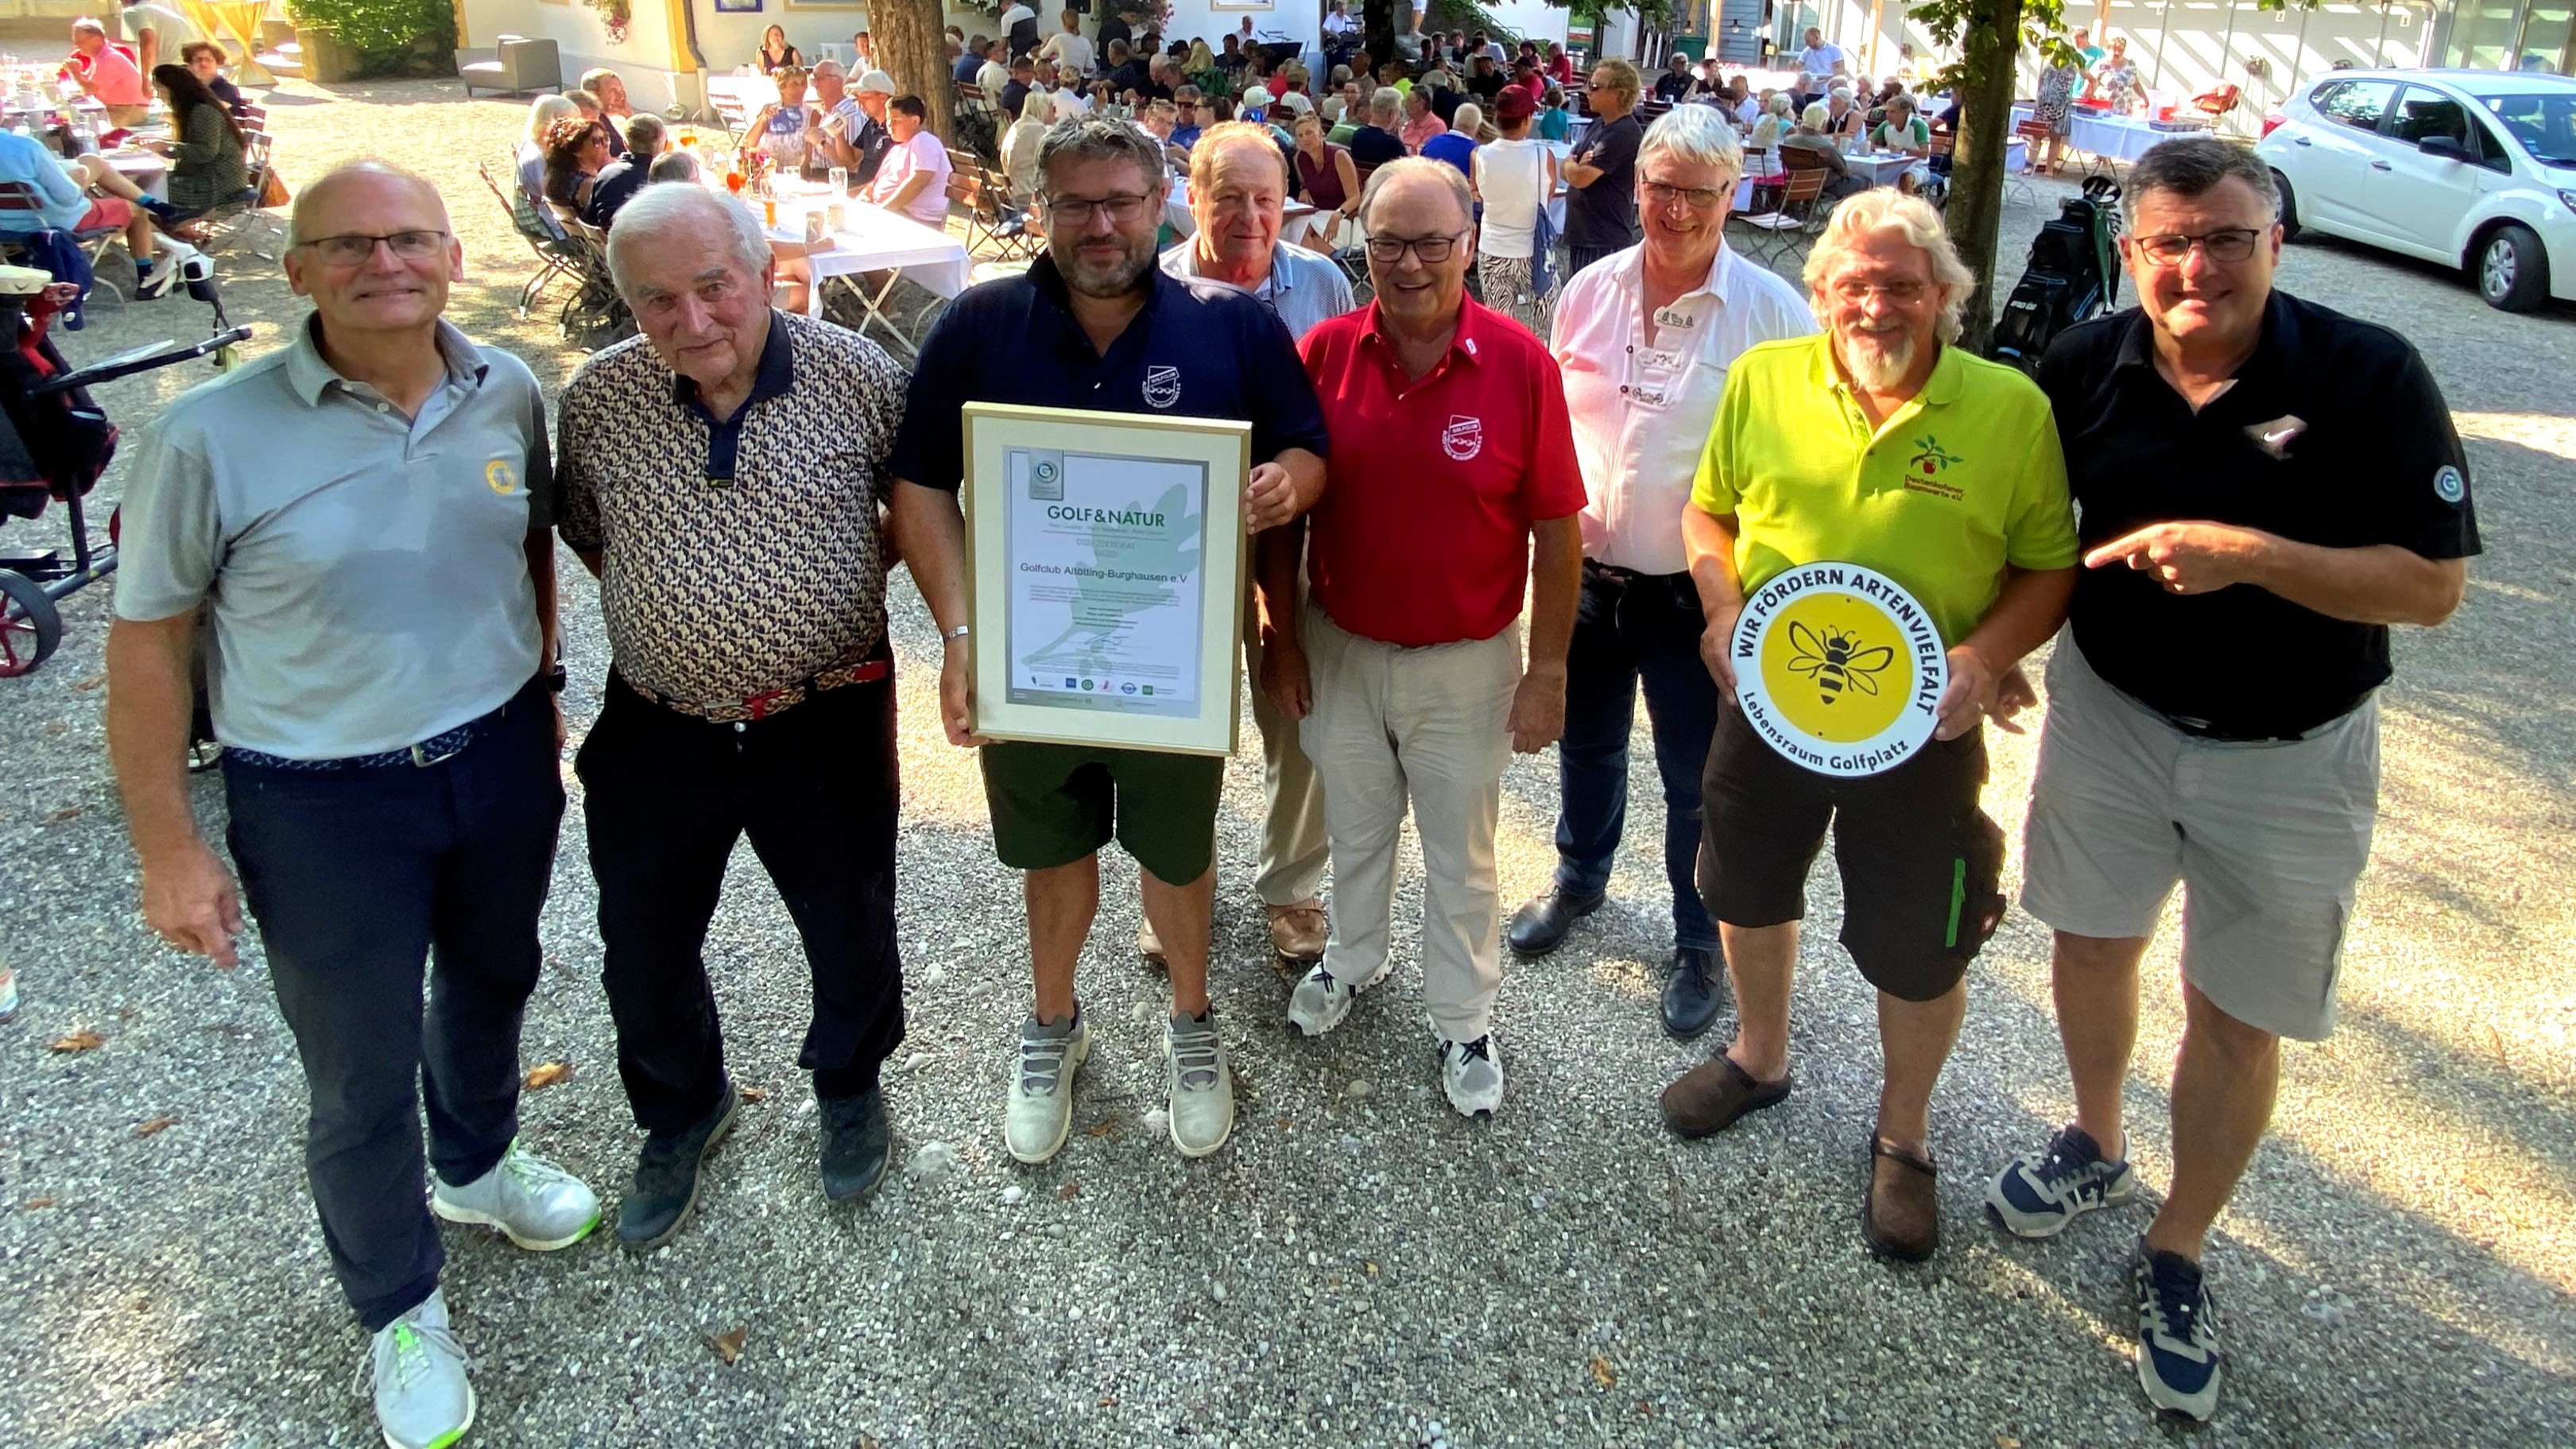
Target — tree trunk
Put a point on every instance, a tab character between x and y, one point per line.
1976	209
1377	30
906	34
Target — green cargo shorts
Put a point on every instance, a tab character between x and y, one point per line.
1054	804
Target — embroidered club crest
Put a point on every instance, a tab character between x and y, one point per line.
1464	438
1162	386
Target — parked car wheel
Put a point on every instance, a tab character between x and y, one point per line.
2512	270
2289	208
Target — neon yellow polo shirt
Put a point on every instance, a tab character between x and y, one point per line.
1962	480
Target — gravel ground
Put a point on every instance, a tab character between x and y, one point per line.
1360	1266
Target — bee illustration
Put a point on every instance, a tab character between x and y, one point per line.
1837	660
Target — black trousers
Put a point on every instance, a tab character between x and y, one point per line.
666	797
1579	257
356	878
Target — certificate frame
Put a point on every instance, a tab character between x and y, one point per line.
1115	715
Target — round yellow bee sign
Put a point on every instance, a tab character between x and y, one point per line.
1838	668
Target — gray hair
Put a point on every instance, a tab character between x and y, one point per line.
1843	91
659	209
1697	135
1911	217
85	25
1466	119
2189	167
1816	116
827	63
1100	138
1448	175
672	166
1385	101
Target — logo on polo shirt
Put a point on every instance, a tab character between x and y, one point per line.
500	477
1839	669
1464	438
2449	486
1923	471
1162	386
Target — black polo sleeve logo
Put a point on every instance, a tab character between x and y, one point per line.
2449	485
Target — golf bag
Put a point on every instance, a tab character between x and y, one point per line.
2072	276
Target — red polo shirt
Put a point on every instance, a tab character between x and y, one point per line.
1423	535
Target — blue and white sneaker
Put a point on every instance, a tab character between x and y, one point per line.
2037	1198
2177	1333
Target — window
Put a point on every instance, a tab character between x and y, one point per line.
2544	122
2423	113
2358	104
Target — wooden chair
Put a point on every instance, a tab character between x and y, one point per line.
976	197
555	261
1790	227
1937	188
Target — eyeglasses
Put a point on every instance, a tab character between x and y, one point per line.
2229	244
1700	198
1077	211
1903	294
350	250
1433	250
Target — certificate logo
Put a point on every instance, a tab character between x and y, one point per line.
1046	478
1126	689
1162	386
1086	684
1072	683
1839	668
1464	438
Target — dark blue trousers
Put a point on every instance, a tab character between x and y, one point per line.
1630	630
357	878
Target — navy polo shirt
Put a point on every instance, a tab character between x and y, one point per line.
2333	433
1197	349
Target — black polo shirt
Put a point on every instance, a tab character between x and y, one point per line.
2333	434
1371	146
1197	349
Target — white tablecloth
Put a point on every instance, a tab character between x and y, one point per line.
872	239
2113	138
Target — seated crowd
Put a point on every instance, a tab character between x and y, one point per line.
161	91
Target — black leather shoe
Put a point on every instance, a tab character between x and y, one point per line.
666	1179
1694	992
1540	926
856	1144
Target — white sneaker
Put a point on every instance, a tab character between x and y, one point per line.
1040	1110
1202	1084
1321	1001
1472	1074
418	1374
536	1204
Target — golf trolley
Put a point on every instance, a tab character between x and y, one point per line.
57	444
2074	275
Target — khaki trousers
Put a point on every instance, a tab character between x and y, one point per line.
1293	849
1430	727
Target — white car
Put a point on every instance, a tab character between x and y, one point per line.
2474	169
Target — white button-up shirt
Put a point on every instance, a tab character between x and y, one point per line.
1642	412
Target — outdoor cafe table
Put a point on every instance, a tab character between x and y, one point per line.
2105	136
872	239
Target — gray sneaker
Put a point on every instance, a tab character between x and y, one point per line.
1040	1110
418	1376
1202	1084
536	1204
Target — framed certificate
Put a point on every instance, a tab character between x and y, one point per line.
1108	556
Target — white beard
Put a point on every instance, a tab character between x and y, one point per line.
1877	360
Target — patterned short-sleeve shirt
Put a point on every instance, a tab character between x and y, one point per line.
738	556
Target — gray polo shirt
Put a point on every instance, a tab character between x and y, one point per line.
366	572
1303	290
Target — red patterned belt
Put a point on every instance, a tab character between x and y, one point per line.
866	670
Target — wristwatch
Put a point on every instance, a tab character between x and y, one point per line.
557	678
